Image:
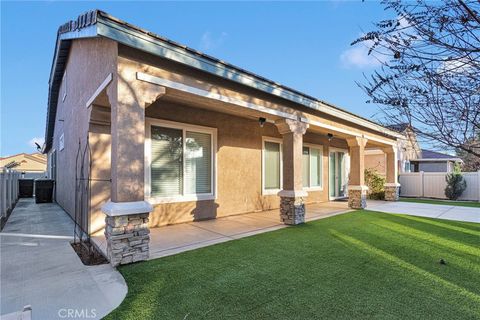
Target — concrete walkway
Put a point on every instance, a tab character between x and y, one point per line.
40	268
447	212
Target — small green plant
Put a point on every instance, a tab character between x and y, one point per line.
455	184
375	183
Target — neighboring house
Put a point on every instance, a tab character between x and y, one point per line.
408	149
410	158
432	161
162	128
32	165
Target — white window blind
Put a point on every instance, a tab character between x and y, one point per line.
181	162
311	167
315	167
198	163
272	165
167	161
306	167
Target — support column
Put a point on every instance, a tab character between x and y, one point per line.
292	196
127	212
392	187
357	190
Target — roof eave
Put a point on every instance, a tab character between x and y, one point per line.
62	48
132	36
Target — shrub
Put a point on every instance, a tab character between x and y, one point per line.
455	184
375	183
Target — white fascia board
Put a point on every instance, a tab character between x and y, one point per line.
88	32
211	95
347	132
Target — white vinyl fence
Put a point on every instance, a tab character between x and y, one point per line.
8	190
432	185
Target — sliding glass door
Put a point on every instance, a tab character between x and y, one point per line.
337	174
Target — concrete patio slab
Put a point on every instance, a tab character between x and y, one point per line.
447	212
466	214
177	238
40	268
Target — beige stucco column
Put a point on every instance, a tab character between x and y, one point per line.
392	187
292	196
127	212
357	190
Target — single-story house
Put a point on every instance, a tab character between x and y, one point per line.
33	165
166	134
432	161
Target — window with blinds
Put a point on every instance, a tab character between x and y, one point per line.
306	167
167	162
312	167
181	162
272	165
198	163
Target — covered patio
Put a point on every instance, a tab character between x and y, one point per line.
177	238
251	154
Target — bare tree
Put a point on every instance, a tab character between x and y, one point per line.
471	162
430	73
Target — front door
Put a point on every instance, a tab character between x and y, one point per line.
336	174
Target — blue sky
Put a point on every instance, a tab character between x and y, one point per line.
302	45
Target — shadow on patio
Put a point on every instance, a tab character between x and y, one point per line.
173	239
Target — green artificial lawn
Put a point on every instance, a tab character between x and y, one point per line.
362	264
444	202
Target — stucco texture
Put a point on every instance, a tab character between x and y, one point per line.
89	63
239	164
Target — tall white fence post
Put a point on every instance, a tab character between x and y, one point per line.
422	183
9	189
478	184
3	193
15	186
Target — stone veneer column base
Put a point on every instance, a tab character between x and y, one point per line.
357	197
392	192
292	210
127	232
127	238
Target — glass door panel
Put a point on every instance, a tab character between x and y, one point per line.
336	174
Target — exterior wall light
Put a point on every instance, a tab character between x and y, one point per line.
330	136
261	121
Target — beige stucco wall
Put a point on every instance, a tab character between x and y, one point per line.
376	162
239	164
89	62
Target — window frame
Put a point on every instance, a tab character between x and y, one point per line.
149	122
280	142
64	83
320	148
